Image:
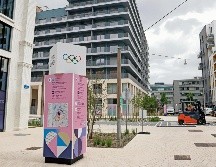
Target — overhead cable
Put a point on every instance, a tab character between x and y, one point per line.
166	15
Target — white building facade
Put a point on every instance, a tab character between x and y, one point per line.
207	65
17	22
211	32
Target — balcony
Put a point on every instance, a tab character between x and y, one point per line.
210	38
48	43
92	64
83	28
200	66
89	3
200	55
50	21
36	79
109	50
97	13
40	56
50	32
210	45
114	76
40	67
100	38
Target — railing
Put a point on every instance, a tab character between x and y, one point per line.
82	27
114	76
36	79
108	62
108	49
97	13
57	19
83	4
44	43
98	63
46	66
210	45
44	55
50	31
210	37
200	55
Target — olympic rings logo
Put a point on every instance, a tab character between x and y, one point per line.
72	58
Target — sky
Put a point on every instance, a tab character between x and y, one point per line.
175	36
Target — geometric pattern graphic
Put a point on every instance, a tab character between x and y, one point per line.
56	141
79	142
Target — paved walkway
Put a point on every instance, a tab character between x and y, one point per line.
154	150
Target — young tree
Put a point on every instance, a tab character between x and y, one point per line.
190	96
164	99
94	96
136	101
145	103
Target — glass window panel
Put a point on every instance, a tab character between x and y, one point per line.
5	34
111	88
6	7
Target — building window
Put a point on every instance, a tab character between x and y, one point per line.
111	101
124	86
6	7
100	61
5	35
97	88
111	88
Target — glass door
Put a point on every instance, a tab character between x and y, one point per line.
3	87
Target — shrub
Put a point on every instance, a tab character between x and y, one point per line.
109	142
103	142
134	132
34	122
96	141
154	119
126	132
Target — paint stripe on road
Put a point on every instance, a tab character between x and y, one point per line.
157	124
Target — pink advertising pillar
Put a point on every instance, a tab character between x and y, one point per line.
65	115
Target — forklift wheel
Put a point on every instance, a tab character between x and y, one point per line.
201	122
181	122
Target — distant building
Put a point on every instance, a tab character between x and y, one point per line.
159	88
207	55
183	87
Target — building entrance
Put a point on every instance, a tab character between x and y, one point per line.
3	89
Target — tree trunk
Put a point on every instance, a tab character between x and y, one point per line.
91	127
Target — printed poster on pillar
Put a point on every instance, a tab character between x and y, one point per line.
57	116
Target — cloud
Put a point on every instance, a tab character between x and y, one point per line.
176	36
153	10
180	25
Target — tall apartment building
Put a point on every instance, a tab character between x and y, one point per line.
158	88
207	45
183	87
16	47
102	26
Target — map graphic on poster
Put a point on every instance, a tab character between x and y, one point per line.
57	115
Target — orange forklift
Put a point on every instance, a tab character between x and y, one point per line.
192	113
